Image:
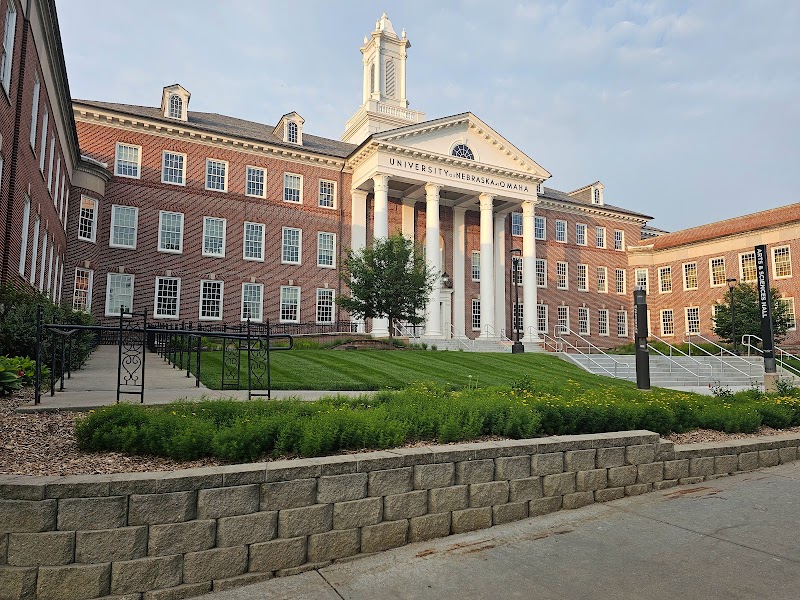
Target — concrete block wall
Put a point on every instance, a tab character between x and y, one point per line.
151	536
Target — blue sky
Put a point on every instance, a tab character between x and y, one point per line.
686	111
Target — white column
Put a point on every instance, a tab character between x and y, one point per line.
488	329
358	229
459	270
433	319
529	292
500	274
408	219
380	229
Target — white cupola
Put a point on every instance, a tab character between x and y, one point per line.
175	102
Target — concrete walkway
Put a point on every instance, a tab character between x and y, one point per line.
95	385
726	539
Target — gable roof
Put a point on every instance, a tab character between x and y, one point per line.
744	224
566	198
231	126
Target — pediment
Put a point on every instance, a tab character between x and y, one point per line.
441	136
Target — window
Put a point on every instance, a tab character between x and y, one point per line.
580	234
82	295
781	262
87	220
642	280
324	306
600	237
35	250
690	276
715	309
128	161
290	246
119	294
55	287
290	304
50	269
253	241
596	196
62	205
476	315
622	323
541	318
619	281
667	322
26	217
476	265
8	47
789	304
693	319
42	152
747	267
519	316
561	275
173	166
167	300
214	236
541	272
327	193
58	176
602	280
539	228
326	248
292	188
124	220
583	276
51	163
583	320
463	151
216	175
252	301
66	210
563	320
372	78
561	231
516	268
254	185
602	322
390	79
34	109
717	268
619	239
211	299
291	132
516	223
664	280
170	232
175	107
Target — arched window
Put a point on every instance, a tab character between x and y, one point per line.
372	78
291	132
390	79
463	151
596	195
175	107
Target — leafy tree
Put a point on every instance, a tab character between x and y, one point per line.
387	279
747	314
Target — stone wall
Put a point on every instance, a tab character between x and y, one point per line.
179	534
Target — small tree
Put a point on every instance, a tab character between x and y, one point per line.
389	278
747	314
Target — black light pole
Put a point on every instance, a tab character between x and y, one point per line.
517	347
730	283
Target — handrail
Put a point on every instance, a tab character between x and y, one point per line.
548	340
489	331
462	338
560	330
781	354
687	337
671	360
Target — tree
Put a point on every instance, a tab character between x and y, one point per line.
387	279
747	314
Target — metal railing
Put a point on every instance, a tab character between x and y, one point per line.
462	338
671	360
549	341
723	353
621	370
406	330
781	355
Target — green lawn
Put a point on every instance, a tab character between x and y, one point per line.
395	369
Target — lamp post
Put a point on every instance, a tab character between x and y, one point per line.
731	286
517	347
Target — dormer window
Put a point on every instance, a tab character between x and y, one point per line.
596	197
290	128
175	107
291	132
540	188
175	102
462	151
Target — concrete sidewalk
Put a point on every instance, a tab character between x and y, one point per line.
730	538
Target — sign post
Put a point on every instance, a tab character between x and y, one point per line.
765	310
642	353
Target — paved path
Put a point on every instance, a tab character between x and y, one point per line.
732	538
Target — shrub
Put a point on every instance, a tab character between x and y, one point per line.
10	380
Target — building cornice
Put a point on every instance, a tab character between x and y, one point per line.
596	210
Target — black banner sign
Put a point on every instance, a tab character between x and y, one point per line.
765	308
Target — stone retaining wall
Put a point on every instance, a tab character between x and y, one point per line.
159	536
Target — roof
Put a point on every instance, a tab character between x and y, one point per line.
719	229
231	126
564	197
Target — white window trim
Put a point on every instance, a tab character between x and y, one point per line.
177	314
627	325
319	233
224	236
108	289
111	243
88	309
280	304
8	66
661	322
221	301
335	191
597	230
741	268
224	190
588	320
568	330
116	161
512	224
790	300
774	269
585	287
535	274
26	225
299	248
686	310
607	313
585	229
161	214
283	189
261	308
605	278
661	289
686	288
566	275
711	271
263	184
624	281
546	318
163	164
43	149
646	278
544	228
35	110
93	238
622	240
566	235
244	240
471	320
472	262
333	306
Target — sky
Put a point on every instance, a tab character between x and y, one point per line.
686	111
